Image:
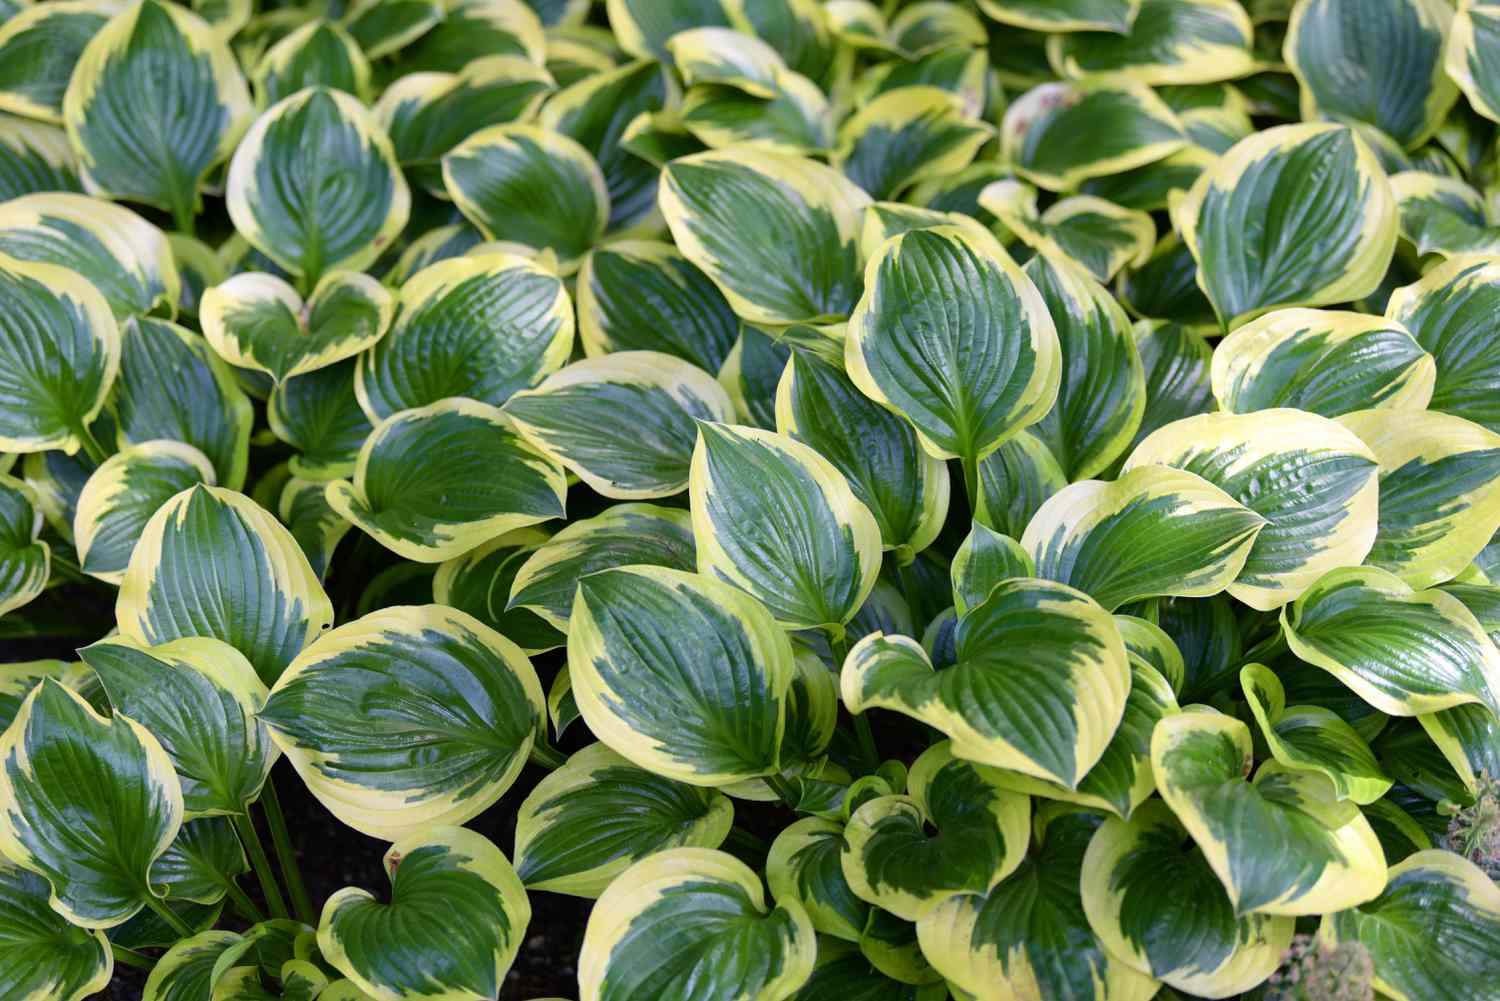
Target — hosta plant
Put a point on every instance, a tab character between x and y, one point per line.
979	499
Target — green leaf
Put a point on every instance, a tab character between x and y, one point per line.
185	972
1469	737
1101	236
407	718
844	974
751	374
795	120
1169	42
1443	215
258	321
1448	313
777	234
319	415
456	918
199	697
382	27
25	560
1433	897
1058	135
1164	288
1155	902
39	48
472	29
482	327
804	867
93	802
199	864
318	54
1312	738
685	676
1034	650
210	562
1404	651
1322	361
715	908
589	820
35	157
479	582
1298	215
41	954
983	560
1154	531
1379	63
531	187
1280	844
955	337
642	27
623	535
1064	15
155	70
906	136
314	185
1014	481
625	423
1470	56
777	520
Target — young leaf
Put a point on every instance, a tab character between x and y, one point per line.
42	955
805	866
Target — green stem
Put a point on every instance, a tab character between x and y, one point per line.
751	844
183	216
69	570
971	482
243	903
783	788
262	865
546	756
130	957
282	839
166	914
91	446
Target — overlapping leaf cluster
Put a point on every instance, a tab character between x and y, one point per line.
999	497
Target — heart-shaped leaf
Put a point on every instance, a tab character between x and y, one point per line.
1443	215
716	907
683	675
25	560
156	70
1064	15
39	48
1058	135
805	866
1014	481
186	970
122	495
456	919
796	119
479	582
1033	650
483	327
425	485
41	954
1281	843
906	136
777	520
258	321
314	185
199	697
587	822
643	27
211	562
1447	312
625	423
1169	42
1098	234
407	718
319	415
318	54
92	803
983	560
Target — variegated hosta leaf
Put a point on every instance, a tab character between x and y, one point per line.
1164	288
1097	234
955	338
1323	361
624	535
25	560
199	863
1102	393
1014	481
471	29
382	27
186	970
1154	531
482	327
1034	650
625	423
17	681
804	866
843	973
752	372
156	70
778	234
42	955
125	258
714	906
407	718
319	415
1297	215
1282	843
1404	651
198	268
587	822
1007	943
1439	491
531	187
1470	55
1443	215
258	321
795	119
1434	932
39	47
1313	483
35	157
1060	134
684	675
1379	62
1449	313
905	136
638	295
457	917
721	56
210	562
1177	363
1312	738
59	354
479	582
643	27
904	487
1169	42
199	698
319	53
1064	15
91	802
56	479
778	521
891	860
983	560
201	405
1150	645
314	185
1157	905
436	481
1469	737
